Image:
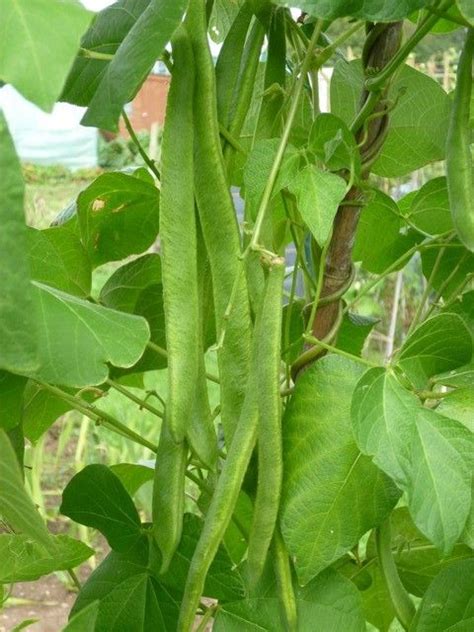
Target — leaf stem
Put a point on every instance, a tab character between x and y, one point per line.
402	604
93	54
340	352
99	416
141	402
146	158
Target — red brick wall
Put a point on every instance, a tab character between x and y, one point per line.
149	105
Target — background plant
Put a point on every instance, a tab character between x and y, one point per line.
246	456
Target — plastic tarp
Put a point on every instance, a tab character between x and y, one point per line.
56	138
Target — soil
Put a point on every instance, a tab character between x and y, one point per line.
47	600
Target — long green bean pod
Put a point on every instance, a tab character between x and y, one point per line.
270	459
230	479
459	166
246	84
178	240
168	494
220	229
228	63
286	593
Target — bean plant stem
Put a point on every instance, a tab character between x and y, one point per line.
402	604
374	83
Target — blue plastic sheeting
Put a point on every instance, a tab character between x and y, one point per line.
49	139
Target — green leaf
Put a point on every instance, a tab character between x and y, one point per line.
96	498
105	34
11	399
222	16
464	307
354	331
223	582
41	409
459	405
23	625
24	560
449	601
330	600
39	41
18	316
118	216
258	166
113	584
418	561
376	602
440	344
318	195
132	476
382	422
57	258
333	143
332	494
429	210
418	122
136	288
428	455
378	242
78	338
85	620
455	265
461	377
465	7
16	507
365	9
133	61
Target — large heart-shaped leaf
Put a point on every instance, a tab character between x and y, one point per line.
152	600
97	498
106	33
318	195
418	561
440	344
84	621
332	494
16	507
364	9
133	61
449	601
330	600
429	210
431	458
18	350
379	242
453	266
25	560
11	399
136	288
78	338
418	122
382	421
39	40
118	216
57	258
